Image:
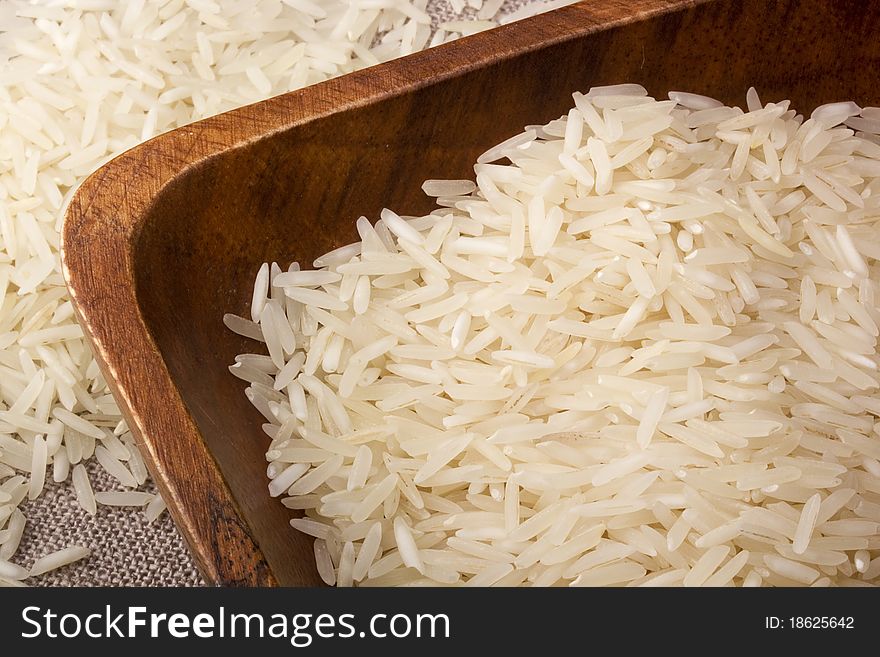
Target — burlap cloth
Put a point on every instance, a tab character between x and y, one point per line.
126	550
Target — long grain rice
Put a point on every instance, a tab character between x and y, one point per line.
639	353
84	81
58	559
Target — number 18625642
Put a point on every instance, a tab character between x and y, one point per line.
810	623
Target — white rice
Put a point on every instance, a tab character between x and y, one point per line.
793	571
114	467
12	571
58	559
12	534
324	563
128	498
155	508
38	467
190	60
691	409
85	496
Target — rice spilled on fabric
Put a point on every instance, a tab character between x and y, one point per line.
83	80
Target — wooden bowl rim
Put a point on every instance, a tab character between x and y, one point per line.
97	224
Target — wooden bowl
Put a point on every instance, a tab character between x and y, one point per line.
162	241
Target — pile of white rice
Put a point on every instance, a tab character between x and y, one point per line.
640	350
82	80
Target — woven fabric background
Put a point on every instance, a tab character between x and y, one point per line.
126	550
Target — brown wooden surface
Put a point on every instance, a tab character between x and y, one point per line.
162	241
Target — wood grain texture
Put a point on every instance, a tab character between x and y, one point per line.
163	240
